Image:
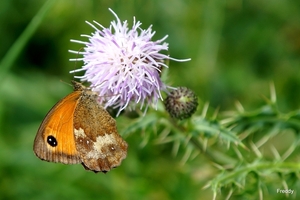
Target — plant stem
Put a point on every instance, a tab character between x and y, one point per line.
20	43
271	166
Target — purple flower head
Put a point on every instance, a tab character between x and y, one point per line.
123	65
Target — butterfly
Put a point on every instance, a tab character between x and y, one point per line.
78	129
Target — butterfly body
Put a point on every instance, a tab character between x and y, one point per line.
79	130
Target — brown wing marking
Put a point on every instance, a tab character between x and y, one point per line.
100	146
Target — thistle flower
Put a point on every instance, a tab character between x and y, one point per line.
123	65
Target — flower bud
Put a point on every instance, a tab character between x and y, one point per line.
181	103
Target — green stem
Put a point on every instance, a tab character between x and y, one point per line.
271	166
211	155
19	44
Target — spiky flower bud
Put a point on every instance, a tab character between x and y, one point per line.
181	103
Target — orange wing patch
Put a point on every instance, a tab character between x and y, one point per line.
55	140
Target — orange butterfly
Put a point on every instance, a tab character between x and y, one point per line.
79	130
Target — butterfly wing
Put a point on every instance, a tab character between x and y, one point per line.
100	146
55	140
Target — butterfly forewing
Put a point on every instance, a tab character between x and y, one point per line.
55	141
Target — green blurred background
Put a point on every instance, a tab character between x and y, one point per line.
237	48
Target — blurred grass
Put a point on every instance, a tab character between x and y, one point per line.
237	47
